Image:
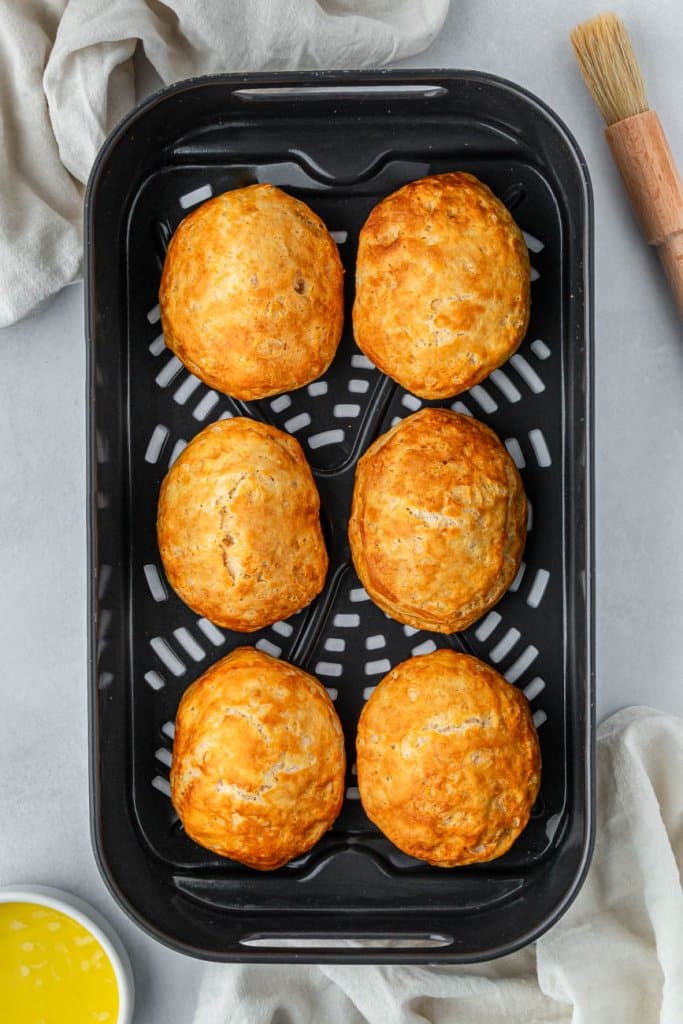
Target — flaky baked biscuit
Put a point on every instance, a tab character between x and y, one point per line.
258	760
438	520
238	526
251	294
442	285
448	759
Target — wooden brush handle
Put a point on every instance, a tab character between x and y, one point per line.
647	167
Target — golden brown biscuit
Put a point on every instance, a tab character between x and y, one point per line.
238	526
251	294
442	285
448	759
438	520
258	760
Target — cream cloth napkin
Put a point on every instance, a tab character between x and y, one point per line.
66	78
616	955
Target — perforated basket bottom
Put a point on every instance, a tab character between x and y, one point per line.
347	642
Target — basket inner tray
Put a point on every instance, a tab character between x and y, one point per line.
343	638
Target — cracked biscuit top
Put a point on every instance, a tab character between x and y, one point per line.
438	520
442	285
238	526
258	760
251	294
448	759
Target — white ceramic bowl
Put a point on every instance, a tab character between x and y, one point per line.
92	921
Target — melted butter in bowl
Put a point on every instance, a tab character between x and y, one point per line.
54	970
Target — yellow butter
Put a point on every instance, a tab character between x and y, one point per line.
52	970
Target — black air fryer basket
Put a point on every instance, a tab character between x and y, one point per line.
340	142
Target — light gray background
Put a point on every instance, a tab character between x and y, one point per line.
44	827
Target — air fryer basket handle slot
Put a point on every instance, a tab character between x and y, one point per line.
336	92
419	940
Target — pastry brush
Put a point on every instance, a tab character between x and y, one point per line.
636	138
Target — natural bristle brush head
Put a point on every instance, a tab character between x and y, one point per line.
609	67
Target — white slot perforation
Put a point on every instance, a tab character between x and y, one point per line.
461	408
539	718
519	667
536	686
426	647
162	784
189	385
204	407
346	411
487	626
527	373
325	438
168	729
155	583
514	586
268	648
155	680
297	422
505	645
537	590
154	315
211	632
197	195
411	402
534	274
357	594
157	346
332	692
164	755
328	668
368	692
540	447
283	628
360	362
281	403
178	447
168	372
165	654
335	644
410	630
505	385
483	398
339	236
375	643
156	443
540	349
515	452
377	668
189	644
317	388
348	620
358	386
353	793
533	244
